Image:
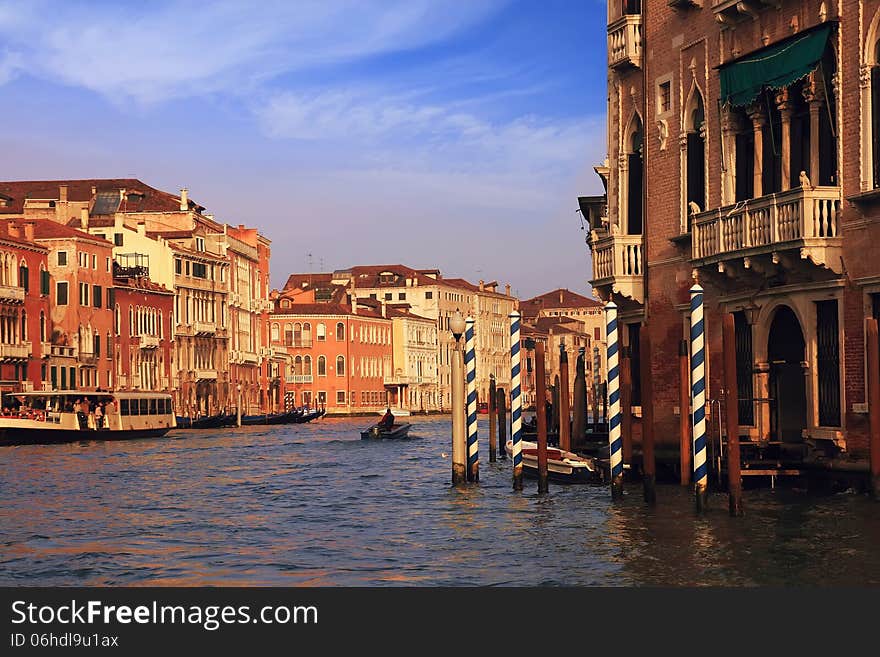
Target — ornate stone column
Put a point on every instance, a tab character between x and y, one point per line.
784	105
759	120
730	126
815	99
762	408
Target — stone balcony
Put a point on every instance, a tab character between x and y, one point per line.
803	220
206	375
204	328
149	342
617	264
19	351
299	378
625	42
11	293
731	12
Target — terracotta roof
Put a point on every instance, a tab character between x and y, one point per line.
140	283
560	325
297	280
326	309
46	229
148	199
11	239
558	298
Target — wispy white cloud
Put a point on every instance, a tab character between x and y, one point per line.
182	49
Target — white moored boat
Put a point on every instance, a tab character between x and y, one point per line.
55	417
562	466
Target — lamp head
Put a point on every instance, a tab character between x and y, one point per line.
530	343
456	325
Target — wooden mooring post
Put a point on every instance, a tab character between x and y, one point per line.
873	355
684	413
492	419
501	407
731	409
541	391
564	402
649	465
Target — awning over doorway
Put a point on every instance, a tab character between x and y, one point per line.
773	67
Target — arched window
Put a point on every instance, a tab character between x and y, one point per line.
340	366
321	332
288	335
297	334
322	366
42	327
298	365
275	332
634	177
24	331
875	112
307	365
340	331
695	126
285	303
307	334
23	279
116	317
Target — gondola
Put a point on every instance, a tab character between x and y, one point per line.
205	422
396	431
308	416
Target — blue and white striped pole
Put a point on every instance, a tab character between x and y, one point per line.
470	368
515	402
615	443
698	396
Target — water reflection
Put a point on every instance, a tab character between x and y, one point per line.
313	505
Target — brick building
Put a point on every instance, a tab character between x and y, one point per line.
743	154
24	307
337	355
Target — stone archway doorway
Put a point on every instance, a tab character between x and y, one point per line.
786	353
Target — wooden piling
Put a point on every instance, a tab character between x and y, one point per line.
649	465
564	402
731	409
579	405
501	408
873	355
554	406
684	413
541	391
626	405
492	419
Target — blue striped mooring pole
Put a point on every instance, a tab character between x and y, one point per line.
615	444
470	368
515	402
698	397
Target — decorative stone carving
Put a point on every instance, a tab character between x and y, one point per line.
823	13
662	133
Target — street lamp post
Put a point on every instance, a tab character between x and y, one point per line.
459	443
238	407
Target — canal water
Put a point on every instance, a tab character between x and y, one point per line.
314	505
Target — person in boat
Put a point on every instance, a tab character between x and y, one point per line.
387	420
99	416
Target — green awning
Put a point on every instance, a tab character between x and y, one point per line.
774	67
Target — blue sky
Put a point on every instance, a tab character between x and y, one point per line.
443	134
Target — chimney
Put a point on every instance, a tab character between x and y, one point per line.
384	309
560	296
184	199
29	231
62	193
482	285
507	290
94	191
14	230
142	228
354	302
84	218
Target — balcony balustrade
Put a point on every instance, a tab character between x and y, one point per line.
299	378
803	218
10	293
19	351
618	263
206	374
625	42
204	328
149	342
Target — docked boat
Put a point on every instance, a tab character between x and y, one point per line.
204	422
562	466
400	430
288	417
397	412
309	415
71	415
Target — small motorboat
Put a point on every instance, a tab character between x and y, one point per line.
400	430
562	466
